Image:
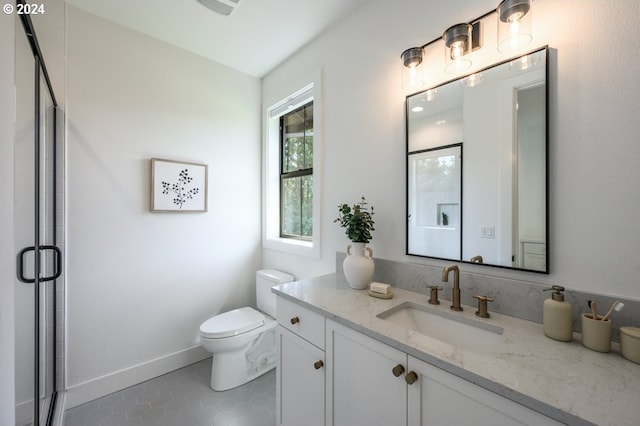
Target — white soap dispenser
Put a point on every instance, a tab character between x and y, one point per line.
557	316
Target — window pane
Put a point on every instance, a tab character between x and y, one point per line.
307	206
294	153
297	206
291	206
308	149
297	147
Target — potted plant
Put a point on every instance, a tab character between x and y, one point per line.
358	223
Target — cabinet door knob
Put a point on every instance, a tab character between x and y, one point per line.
398	370
318	365
295	320
411	377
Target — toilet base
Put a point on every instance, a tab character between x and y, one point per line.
232	369
228	372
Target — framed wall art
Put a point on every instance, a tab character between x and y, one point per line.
178	186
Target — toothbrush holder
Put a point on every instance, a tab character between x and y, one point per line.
596	334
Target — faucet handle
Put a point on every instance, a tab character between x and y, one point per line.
482	305
433	295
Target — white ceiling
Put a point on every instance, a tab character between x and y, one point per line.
256	37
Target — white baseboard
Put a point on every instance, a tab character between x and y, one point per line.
113	382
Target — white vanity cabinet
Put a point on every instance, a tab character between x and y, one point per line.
361	386
369	383
300	374
439	398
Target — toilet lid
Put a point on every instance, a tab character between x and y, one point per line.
232	323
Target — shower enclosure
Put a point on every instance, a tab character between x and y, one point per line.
38	228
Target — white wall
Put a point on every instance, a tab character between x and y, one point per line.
594	150
7	259
140	283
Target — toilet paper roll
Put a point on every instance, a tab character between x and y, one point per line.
381	288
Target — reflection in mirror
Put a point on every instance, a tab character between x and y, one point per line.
435	186
498	116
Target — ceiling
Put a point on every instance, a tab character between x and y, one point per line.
255	38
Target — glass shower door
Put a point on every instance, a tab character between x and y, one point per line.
38	259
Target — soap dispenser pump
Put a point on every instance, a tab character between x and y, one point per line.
557	316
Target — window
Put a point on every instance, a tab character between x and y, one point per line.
296	173
292	169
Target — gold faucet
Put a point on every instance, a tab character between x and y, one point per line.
456	285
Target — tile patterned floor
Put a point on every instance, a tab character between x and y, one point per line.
182	398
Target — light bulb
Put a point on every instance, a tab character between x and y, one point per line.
515	17
514	27
456	50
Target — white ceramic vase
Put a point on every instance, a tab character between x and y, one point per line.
358	266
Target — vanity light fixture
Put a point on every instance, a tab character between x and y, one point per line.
514	25
412	68
457	44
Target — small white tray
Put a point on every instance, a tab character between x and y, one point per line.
380	295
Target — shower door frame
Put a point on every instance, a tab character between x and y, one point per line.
46	396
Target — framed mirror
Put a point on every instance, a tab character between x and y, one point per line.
493	207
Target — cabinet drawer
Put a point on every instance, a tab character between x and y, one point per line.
305	323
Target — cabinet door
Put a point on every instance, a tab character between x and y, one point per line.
361	387
444	399
300	381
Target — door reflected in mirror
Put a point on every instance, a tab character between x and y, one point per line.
435	187
498	117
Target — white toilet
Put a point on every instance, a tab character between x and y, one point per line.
243	341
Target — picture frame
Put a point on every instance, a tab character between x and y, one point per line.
178	186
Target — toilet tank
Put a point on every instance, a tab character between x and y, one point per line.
265	279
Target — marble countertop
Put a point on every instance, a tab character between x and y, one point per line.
562	380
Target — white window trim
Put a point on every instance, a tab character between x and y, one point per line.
271	239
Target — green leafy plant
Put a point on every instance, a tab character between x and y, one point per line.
358	221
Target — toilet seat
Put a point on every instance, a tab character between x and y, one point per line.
232	323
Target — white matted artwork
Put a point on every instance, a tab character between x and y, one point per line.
178	186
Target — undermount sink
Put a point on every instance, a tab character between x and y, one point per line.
450	327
